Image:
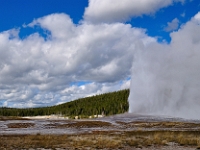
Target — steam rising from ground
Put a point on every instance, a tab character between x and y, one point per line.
166	77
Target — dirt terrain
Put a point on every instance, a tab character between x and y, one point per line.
127	131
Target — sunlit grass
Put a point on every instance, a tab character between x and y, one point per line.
100	140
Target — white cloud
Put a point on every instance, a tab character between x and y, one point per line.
197	18
60	25
35	71
118	10
125	84
93	88
165	77
173	25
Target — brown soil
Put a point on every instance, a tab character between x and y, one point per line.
171	125
81	124
20	125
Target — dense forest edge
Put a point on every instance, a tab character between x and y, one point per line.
104	104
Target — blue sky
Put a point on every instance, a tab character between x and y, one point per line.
156	23
15	14
52	51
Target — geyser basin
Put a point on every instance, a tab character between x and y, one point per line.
166	77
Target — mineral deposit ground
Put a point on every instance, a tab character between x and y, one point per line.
125	131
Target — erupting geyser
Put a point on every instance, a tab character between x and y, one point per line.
166	77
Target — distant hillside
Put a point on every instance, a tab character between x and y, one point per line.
108	104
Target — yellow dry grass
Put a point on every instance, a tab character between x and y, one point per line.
100	140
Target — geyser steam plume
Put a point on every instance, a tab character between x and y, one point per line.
166	77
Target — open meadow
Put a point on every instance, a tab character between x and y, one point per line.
126	131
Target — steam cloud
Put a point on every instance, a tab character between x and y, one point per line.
166	77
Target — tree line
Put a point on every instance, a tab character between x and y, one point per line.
108	104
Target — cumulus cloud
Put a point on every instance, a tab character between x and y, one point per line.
38	71
197	18
165	78
118	10
173	25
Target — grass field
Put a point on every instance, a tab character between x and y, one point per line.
102	140
100	134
